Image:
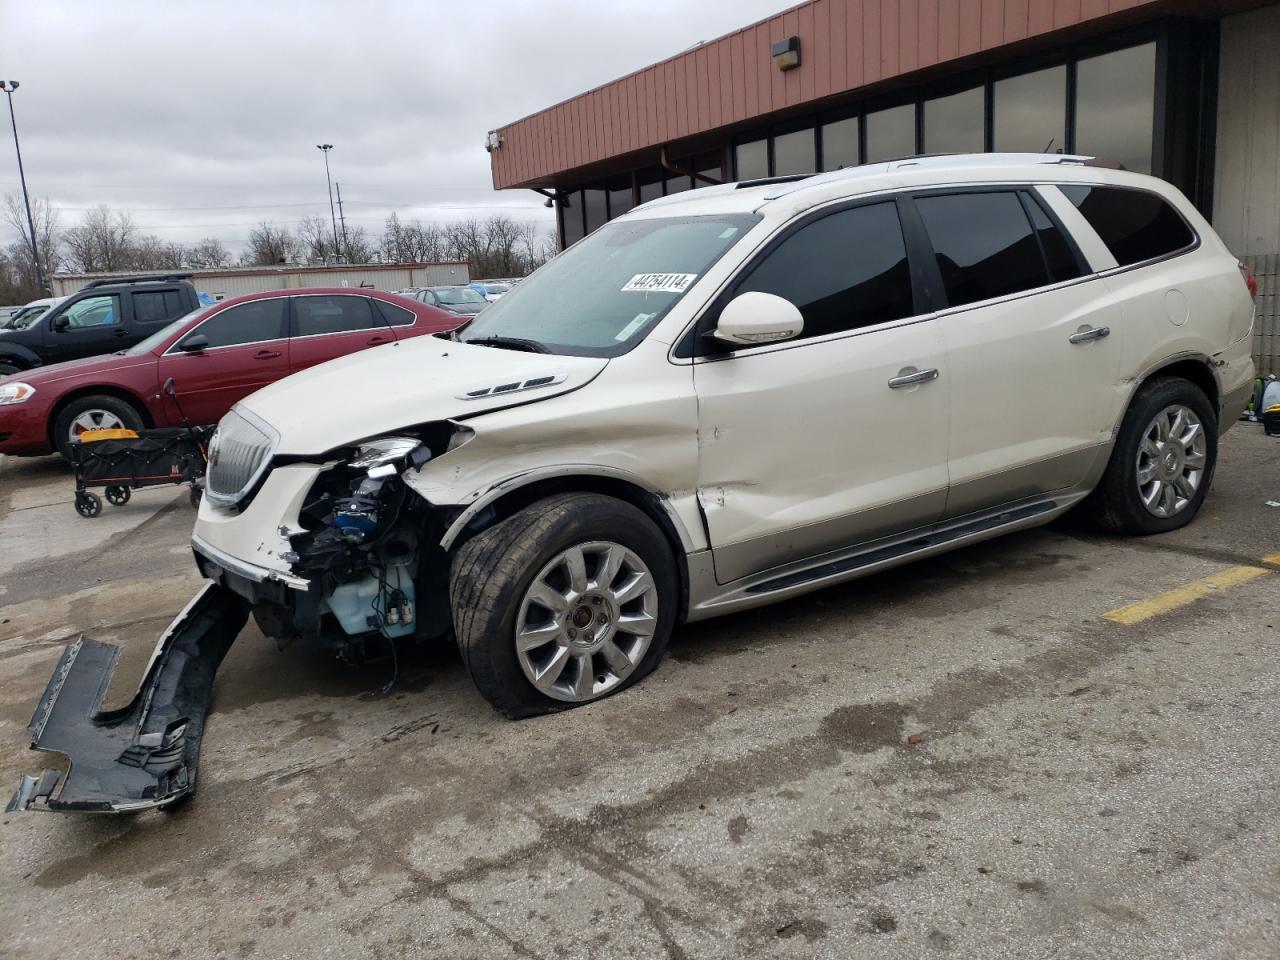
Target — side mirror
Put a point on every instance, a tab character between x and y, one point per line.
196	344
58	324
754	317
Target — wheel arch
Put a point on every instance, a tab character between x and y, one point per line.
128	396
1193	367
514	494
19	356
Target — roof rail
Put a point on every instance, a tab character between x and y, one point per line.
765	181
161	278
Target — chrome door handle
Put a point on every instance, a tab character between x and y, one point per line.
1084	336
920	376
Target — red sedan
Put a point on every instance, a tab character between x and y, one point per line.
216	356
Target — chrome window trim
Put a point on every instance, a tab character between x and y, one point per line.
173	350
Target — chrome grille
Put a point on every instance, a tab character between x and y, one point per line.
239	452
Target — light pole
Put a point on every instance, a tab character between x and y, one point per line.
8	86
325	148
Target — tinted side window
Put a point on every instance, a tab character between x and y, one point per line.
396	316
1134	224
1062	262
157	306
320	315
247	323
984	244
845	271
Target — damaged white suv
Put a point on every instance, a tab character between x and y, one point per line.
730	397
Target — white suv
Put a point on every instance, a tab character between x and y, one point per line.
734	396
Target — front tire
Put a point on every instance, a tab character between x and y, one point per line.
1162	463
566	602
8	369
92	413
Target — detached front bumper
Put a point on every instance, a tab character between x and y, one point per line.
144	754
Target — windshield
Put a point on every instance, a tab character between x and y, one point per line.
604	294
25	317
163	334
458	295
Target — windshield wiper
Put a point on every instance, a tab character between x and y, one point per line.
511	343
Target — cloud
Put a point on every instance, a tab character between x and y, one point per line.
202	119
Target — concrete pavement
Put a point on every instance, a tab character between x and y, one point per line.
960	758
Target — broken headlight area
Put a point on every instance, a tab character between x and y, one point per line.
363	550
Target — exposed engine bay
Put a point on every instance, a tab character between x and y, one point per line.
369	550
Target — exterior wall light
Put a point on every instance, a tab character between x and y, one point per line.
493	141
786	53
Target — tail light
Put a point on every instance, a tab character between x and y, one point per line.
1250	280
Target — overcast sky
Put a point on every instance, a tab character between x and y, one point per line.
203	118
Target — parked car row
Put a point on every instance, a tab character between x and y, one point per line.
216	355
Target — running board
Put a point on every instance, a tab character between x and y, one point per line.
801	577
933	540
144	754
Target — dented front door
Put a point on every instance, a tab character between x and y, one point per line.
839	436
807	449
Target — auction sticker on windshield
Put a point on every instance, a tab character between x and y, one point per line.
660	282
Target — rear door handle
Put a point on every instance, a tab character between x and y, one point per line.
909	379
1095	333
374	341
266	354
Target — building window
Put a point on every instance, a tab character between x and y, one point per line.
571	213
794	153
751	160
840	144
709	166
593	207
1031	112
891	133
619	197
1115	106
650	184
955	124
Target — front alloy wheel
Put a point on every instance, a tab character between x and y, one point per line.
550	614
1171	461
586	621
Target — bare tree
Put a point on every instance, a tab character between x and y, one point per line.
21	262
269	244
501	243
209	254
359	248
151	253
102	243
315	240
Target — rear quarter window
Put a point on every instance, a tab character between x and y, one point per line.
1136	225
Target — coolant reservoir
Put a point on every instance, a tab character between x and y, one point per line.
362	606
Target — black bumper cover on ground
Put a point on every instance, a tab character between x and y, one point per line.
144	754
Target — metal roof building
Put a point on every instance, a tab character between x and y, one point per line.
1186	89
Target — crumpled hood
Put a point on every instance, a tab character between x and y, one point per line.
385	389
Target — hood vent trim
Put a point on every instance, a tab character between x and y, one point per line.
513	386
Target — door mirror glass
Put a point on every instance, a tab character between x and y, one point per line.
756	317
196	344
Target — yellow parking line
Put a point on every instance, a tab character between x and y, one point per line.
1272	558
1188	593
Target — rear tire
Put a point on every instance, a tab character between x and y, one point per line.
91	412
1162	463
615	615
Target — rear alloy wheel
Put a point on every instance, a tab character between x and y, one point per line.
1171	461
92	413
1162	462
569	600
